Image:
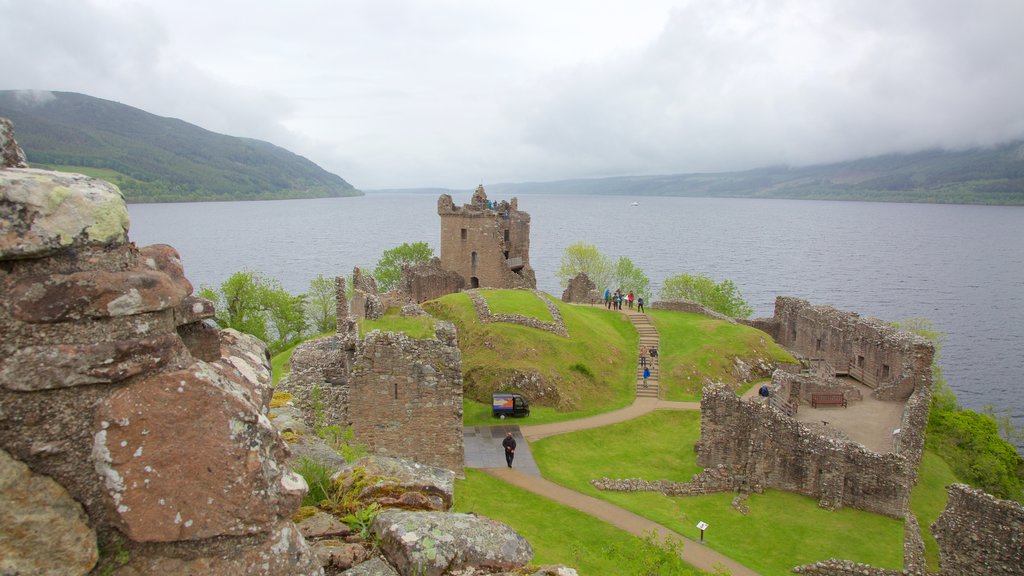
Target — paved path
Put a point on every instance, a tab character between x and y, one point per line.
638	408
695	553
482	448
648	339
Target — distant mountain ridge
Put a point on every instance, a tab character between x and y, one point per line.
157	159
993	175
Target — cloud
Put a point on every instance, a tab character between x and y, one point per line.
421	93
731	85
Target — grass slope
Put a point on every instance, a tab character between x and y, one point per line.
592	369
694	348
558	534
928	500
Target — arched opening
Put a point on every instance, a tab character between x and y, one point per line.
474	282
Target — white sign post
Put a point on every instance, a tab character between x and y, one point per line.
702	525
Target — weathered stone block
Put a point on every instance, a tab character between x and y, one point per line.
432	543
172	473
42	212
64	365
43	530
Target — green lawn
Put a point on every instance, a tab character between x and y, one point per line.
695	347
660	446
559	534
522	302
928	500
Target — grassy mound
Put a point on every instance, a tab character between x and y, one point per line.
695	348
590	370
420	327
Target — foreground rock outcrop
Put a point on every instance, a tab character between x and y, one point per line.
129	425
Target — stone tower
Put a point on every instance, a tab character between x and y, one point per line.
485	242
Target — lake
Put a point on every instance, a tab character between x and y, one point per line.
962	267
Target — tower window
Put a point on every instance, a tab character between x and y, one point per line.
465	234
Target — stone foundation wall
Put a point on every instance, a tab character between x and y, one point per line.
143	426
405	397
770	450
980	534
483	314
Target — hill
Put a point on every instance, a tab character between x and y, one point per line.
993	175
157	159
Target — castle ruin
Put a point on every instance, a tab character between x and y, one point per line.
842	457
486	242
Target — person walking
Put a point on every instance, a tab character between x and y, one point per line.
640	303
630	299
607	298
647	374
510	448
643	357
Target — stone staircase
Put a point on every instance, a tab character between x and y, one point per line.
648	339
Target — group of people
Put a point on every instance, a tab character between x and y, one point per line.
615	300
646	353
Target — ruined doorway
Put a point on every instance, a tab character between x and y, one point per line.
474	282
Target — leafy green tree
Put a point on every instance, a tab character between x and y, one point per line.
252	303
722	297
629	277
388	272
321	304
582	257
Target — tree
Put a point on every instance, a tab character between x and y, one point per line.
581	257
322	304
252	303
629	277
388	272
722	297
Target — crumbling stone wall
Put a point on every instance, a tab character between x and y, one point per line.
366	302
581	290
486	243
892	362
405	396
429	280
114	386
770	450
980	534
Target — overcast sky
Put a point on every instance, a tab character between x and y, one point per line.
411	93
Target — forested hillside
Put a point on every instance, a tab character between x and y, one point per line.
156	159
992	175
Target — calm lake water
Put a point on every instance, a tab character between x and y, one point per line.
960	266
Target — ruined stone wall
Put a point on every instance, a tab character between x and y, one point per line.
892	362
581	290
429	280
487	244
980	534
771	450
405	397
143	424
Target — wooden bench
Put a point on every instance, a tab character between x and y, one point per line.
828	398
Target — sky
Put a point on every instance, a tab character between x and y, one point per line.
453	93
